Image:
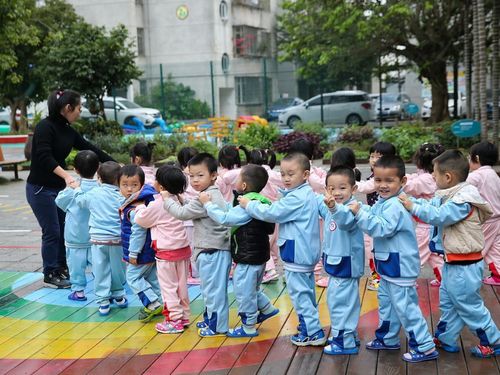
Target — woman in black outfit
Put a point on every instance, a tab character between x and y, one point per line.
52	142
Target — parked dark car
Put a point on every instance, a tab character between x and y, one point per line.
279	106
394	106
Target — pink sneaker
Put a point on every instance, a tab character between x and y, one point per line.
322	282
170	326
193	281
490	280
270	276
435	283
185	322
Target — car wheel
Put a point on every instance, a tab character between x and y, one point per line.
354	119
293	121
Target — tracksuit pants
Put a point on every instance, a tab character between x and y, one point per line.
78	259
109	273
173	276
143	281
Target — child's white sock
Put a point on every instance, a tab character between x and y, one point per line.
153	305
248	329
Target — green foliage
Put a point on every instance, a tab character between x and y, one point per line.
356	134
180	101
449	140
204	146
408	137
70	159
258	136
313	128
90	128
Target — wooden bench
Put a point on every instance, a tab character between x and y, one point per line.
14	162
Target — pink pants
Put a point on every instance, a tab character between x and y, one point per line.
491	252
273	242
368	251
435	260
172	277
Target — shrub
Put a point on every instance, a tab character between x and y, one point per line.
356	134
408	137
203	146
258	136
90	128
449	140
284	142
313	128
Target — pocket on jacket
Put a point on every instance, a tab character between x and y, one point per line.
287	250
337	266
388	264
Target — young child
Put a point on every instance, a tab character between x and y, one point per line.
344	156
297	215
343	260
171	245
458	211
230	167
249	249
104	202
397	262
136	242
367	187
141	155
211	244
482	157
76	226
422	185
184	155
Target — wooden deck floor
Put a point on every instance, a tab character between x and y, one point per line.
42	332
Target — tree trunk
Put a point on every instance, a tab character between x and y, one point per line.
21	125
482	68
495	68
467	61
475	55
436	74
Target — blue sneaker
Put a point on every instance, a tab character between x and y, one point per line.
75	297
376	344
201	324
240	332
121	302
317	339
356	341
413	356
263	317
207	332
334	349
482	351
446	347
104	309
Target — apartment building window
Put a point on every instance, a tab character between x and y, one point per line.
259	4
250	90
224	10
251	42
141	49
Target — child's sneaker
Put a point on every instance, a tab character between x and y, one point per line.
263	317
373	282
334	349
490	280
121	302
185	322
376	344
322	282
413	356
170	326
481	351
446	347
207	332
77	296
270	276
146	315
104	309
317	339
201	324
240	332
435	283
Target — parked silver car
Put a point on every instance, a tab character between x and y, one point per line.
394	106
339	107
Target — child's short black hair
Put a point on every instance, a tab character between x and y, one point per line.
132	170
109	172
392	161
229	157
144	151
172	179
300	158
255	176
452	161
341	170
345	156
86	163
260	156
185	154
304	146
425	154
204	158
383	148
484	153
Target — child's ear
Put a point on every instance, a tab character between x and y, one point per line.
307	174
213	176
354	189
403	181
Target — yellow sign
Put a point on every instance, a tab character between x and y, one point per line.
182	12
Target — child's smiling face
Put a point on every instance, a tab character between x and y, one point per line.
387	182
340	187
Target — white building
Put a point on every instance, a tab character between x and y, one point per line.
217	47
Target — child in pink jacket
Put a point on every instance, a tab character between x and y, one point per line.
172	248
483	156
229	170
422	185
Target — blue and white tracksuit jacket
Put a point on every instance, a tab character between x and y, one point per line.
76	233
344	261
104	203
398	263
299	244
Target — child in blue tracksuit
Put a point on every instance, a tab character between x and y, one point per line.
104	202
136	242
398	263
250	250
76	226
457	212
210	244
343	260
299	243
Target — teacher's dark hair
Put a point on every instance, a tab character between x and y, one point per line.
59	99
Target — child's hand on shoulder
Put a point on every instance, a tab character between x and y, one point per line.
204	197
165	194
406	201
132	260
243	201
354	207
329	201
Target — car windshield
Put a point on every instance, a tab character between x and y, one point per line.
128	104
389	98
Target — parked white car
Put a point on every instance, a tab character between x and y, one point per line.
427	106
339	107
125	111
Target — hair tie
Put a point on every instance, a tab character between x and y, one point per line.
59	93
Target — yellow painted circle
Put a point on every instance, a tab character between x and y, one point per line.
182	12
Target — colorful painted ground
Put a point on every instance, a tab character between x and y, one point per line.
42	332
